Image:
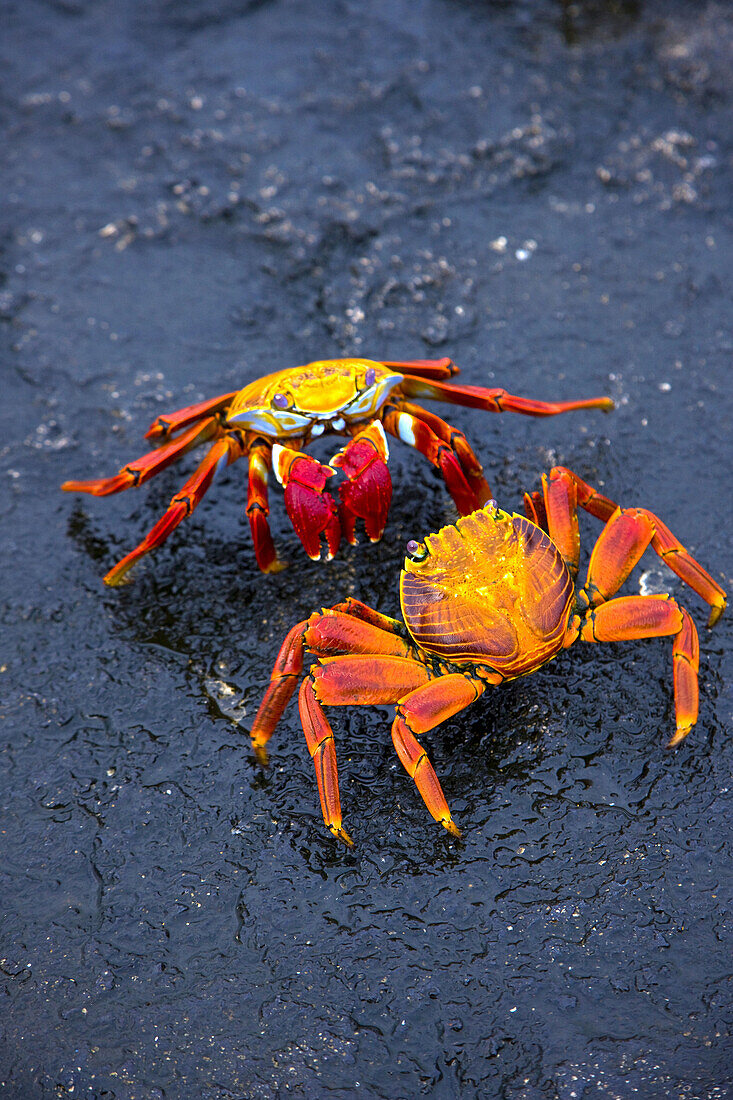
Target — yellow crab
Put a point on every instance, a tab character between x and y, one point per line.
274	417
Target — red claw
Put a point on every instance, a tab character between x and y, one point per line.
368	491
312	511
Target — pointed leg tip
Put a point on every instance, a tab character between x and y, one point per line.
340	833
452	828
276	566
678	737
260	754
117	578
715	612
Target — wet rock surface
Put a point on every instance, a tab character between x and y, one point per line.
195	194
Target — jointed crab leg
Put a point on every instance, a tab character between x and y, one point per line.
437	369
150	464
341	681
319	738
312	511
621	547
629	617
419	712
348	627
223	451
496	400
456	440
164	426
260	457
416	433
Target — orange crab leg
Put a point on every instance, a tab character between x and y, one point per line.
629	617
258	508
360	610
349	627
321	746
368	491
416	433
456	440
619	547
164	426
341	681
312	511
496	400
534	509
564	491
419	712
681	562
223	452
150	464
283	680
366	679
424	368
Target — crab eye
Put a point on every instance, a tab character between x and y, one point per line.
416	551
280	401
370	377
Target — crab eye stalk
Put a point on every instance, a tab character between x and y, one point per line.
370	377
416	551
280	401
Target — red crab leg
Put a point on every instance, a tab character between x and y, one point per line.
164	426
456	440
258	509
630	617
417	713
341	681
223	452
564	491
496	400
416	433
368	491
142	469
424	368
343	629
312	511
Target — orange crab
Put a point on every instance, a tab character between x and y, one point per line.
273	418
487	599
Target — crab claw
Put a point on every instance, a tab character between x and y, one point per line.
312	511
368	490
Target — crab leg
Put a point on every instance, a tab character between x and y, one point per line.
419	712
456	440
368	491
630	617
424	368
360	610
312	511
416	433
150	464
496	400
564	492
340	681
258	509
164	426
224	451
349	627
